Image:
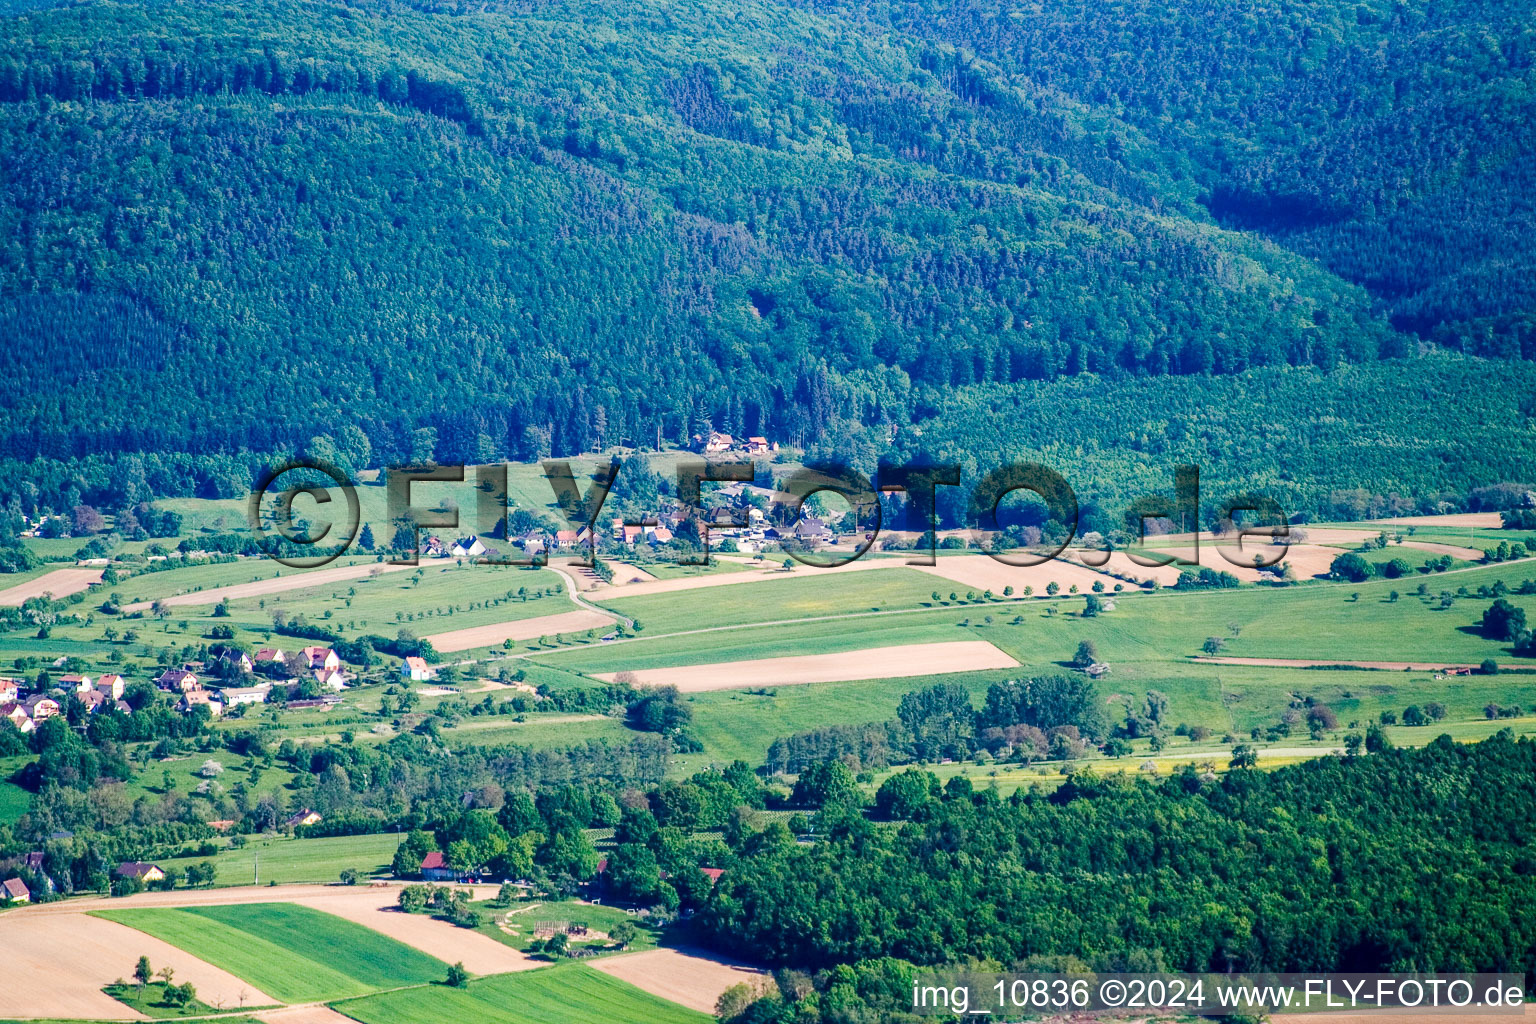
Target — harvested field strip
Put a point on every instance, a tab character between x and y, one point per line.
39	939
58	583
519	629
869	663
300	580
569	993
694	979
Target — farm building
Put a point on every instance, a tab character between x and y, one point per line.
14	890
234	696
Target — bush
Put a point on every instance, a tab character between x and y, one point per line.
457	977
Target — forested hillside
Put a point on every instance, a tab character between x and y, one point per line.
545	227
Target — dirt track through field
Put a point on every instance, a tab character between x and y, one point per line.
870	663
690	978
276	585
59	583
518	629
57	963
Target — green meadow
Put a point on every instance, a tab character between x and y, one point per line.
281	860
569	993
290	952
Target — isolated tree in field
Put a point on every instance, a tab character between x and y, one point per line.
1503	621
1087	654
1352	744
1244	756
1435	711
1213	645
457	977
143	972
1092	606
1414	715
624	934
1350	566
1053	588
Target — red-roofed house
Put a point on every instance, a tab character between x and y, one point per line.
322	657
416	669
111	686
713	874
14	890
76	684
434	868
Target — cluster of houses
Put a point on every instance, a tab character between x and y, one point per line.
716	443
748	526
28	708
321	664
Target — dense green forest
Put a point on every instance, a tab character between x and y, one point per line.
1385	862
538	228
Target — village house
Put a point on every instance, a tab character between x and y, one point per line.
94	701
234	696
565	539
330	677
269	656
177	680
759	446
10	690
469	547
14	890
18	716
75	684
416	670
433	547
111	686
435	868
199	698
237	659
304	817
321	657
140	870
40	708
